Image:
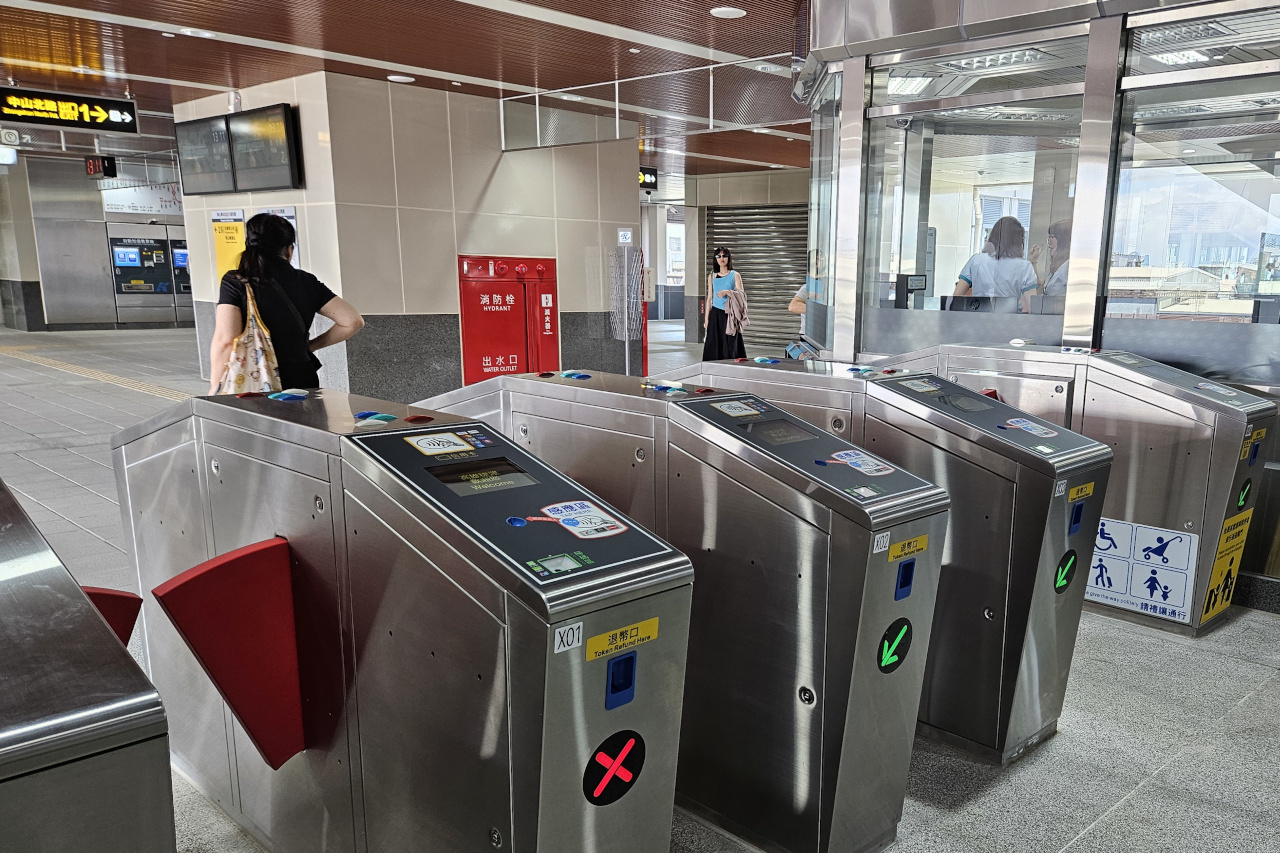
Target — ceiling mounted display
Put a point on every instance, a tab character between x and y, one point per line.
68	111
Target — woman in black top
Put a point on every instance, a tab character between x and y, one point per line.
268	250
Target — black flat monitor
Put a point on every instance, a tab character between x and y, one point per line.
264	149
204	156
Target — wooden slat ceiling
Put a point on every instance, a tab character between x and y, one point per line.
497	48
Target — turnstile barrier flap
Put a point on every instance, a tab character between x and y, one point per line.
846	479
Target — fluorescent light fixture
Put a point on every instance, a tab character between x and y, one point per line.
791	139
1179	57
569	97
1188	150
401	78
200	34
8	156
908	85
727	12
169	35
456	82
633	50
759	130
997	60
774	166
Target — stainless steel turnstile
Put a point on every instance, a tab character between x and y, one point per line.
491	657
1190	457
817	571
1026	496
84	751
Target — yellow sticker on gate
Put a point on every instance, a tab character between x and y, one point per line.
909	547
1259	434
627	637
1244	450
1226	565
1080	492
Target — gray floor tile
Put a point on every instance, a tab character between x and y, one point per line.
202	827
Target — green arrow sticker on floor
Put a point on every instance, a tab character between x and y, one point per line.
1244	494
894	645
1065	572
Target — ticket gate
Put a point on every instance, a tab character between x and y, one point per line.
84	750
1190	460
488	655
817	570
1026	499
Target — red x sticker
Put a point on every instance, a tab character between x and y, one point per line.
614	768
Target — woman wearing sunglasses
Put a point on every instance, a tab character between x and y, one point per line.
721	341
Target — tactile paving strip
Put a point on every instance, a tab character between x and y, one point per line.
88	373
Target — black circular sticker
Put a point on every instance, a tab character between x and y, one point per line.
1065	572
613	768
894	645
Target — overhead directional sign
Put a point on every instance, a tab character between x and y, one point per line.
894	645
66	111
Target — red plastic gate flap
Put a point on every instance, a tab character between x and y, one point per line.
235	612
118	607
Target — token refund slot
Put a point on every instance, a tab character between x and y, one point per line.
621	685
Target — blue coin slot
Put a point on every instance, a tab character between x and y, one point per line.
367	414
906	577
1253	452
582	376
821	462
517	521
1077	516
620	688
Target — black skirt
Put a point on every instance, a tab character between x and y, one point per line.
719	345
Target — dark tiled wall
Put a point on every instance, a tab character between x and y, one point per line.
693	330
587	343
205	313
405	357
22	305
1257	591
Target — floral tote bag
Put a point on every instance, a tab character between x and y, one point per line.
252	365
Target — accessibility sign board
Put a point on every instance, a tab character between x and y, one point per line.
67	111
1149	570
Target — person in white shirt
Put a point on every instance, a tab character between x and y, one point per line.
1000	270
1055	283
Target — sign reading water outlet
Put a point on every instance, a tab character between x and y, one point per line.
58	109
613	768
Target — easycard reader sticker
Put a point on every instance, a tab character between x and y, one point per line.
584	519
1032	427
909	547
864	462
628	637
737	408
438	443
924	386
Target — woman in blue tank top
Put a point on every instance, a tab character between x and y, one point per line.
718	344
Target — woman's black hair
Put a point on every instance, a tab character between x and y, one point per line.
1008	238
728	256
266	236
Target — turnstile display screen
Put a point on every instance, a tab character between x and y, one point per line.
1197	385
544	524
779	432
827	458
480	476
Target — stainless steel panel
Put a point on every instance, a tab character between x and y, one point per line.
120	801
1046	397
617	466
185	313
984	17
872	25
747	664
1161	466
75	271
826	28
295	457
152	301
428	660
159	314
305	805
164	491
60	190
849	189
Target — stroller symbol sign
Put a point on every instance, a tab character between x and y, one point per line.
1159	549
1144	569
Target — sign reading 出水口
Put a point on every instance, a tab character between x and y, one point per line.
69	112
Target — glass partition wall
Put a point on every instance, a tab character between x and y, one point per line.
970	185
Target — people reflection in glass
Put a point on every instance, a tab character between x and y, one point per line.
1054	279
1000	274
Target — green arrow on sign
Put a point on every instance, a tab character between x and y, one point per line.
887	655
1063	571
1244	494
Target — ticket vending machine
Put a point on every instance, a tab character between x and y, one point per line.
142	273
817	569
490	657
510	316
180	258
1026	495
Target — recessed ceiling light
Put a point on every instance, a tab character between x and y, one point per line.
200	34
1179	57
727	12
401	78
456	82
633	50
759	130
791	139
774	166
169	35
568	97
1188	150
908	85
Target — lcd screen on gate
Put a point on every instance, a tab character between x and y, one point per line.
478	476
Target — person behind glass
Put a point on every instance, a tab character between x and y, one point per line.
719	344
1059	244
999	271
288	300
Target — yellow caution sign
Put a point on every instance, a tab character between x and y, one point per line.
628	637
1226	565
909	547
1080	492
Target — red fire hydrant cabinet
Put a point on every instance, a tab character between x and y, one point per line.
510	316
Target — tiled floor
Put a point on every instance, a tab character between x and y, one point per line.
1166	744
668	350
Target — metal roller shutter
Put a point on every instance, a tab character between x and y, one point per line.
768	243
